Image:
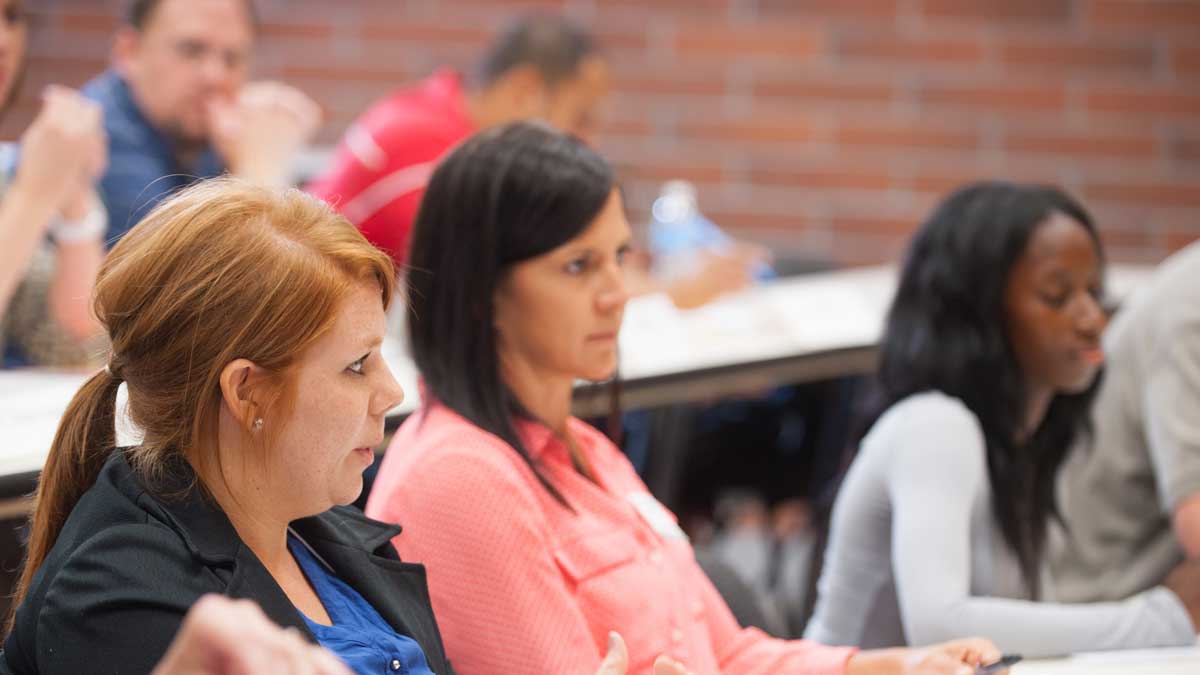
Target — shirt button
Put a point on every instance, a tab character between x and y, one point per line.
677	636
697	607
395	664
656	558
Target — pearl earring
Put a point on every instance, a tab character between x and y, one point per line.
258	424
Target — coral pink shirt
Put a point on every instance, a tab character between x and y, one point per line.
520	584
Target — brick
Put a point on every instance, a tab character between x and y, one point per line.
1127	236
750	220
621	40
669	83
426	32
822	177
1043	12
1185	149
1144	101
827	88
624	127
1176	239
749	129
1056	55
896	50
656	173
832	10
664	6
1160	194
940	183
853	249
1001	96
905	136
1141	15
891	227
276	30
727	42
1185	60
1088	146
390	75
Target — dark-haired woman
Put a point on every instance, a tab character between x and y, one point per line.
989	362
540	537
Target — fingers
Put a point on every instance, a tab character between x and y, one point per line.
222	636
276	98
616	661
972	651
665	665
939	663
751	254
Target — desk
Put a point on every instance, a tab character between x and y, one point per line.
1175	661
793	330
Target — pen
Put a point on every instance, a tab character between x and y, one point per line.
997	666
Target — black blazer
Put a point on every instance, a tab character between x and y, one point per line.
131	561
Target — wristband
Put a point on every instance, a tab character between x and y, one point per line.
91	227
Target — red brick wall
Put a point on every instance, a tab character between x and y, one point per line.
824	127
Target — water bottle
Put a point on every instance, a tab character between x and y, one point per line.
679	233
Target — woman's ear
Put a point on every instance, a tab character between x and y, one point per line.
239	381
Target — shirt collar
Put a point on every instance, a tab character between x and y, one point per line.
206	530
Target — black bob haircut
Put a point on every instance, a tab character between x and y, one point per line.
506	195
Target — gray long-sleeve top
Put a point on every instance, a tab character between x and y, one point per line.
915	557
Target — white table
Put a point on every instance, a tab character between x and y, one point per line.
793	330
1178	661
800	329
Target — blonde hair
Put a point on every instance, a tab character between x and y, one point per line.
223	270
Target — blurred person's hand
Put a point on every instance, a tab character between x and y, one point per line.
718	273
260	133
616	661
63	154
958	657
220	636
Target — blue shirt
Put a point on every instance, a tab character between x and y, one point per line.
142	164
361	638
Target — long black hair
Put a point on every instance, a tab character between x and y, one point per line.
505	195
947	331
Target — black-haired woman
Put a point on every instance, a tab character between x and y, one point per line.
538	534
989	362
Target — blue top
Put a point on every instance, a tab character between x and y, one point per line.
142	168
361	638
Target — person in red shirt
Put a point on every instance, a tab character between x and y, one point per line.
541	67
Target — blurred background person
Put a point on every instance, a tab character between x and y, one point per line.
541	66
988	366
51	223
1130	492
177	106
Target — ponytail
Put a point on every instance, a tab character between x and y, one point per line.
84	440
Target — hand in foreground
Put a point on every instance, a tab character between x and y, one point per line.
959	657
233	637
616	661
260	133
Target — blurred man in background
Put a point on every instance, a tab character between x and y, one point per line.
540	67
177	106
